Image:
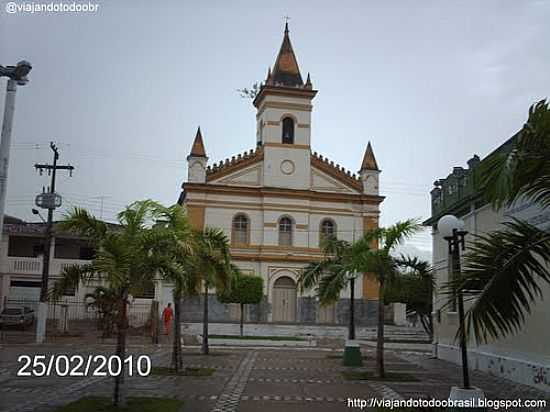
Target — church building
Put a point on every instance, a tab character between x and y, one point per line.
277	201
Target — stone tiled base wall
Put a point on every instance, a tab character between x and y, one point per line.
268	329
535	374
306	313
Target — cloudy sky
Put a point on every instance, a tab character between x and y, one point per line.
122	90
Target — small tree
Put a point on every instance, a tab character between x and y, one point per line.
244	290
124	261
251	93
212	262
104	301
174	250
414	287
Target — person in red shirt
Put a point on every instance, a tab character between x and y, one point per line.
167	317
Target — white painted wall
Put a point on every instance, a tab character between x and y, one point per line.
523	357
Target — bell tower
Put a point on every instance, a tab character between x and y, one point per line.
284	105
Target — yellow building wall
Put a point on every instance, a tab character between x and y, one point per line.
370	284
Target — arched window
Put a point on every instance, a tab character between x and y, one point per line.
328	230
285	231
288	130
240	230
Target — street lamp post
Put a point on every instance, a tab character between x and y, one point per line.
17	76
452	230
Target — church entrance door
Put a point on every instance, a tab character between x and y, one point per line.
284	300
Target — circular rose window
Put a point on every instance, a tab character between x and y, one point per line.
287	167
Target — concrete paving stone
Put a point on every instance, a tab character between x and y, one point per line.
264	389
343	390
276	379
291	406
290	374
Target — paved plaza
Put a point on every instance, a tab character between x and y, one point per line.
251	379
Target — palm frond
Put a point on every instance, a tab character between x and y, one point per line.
503	274
81	222
521	168
333	281
70	277
335	248
310	275
395	234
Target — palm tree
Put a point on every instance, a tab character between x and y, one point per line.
502	276
384	267
212	262
174	247
331	275
503	269
123	261
342	263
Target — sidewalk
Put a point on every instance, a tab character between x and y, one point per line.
269	380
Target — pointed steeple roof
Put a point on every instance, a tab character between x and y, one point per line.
369	161
286	71
308	84
198	146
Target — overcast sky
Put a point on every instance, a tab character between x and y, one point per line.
123	90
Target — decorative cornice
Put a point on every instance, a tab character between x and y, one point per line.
287	146
360	198
336	171
266	90
241	161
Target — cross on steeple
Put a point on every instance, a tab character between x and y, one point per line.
287	18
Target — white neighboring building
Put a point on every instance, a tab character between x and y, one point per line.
21	260
524	357
276	201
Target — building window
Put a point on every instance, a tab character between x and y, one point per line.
240	230
285	231
147	291
25	246
328	230
288	130
87	253
451	189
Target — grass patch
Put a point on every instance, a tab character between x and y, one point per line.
253	337
371	376
210	354
101	404
166	371
341	356
390	340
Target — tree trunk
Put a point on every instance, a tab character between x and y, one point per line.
242	319
178	361
380	331
119	396
427	325
351	330
431	326
205	322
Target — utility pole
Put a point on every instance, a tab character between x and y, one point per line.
48	200
17	76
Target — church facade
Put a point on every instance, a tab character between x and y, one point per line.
278	200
